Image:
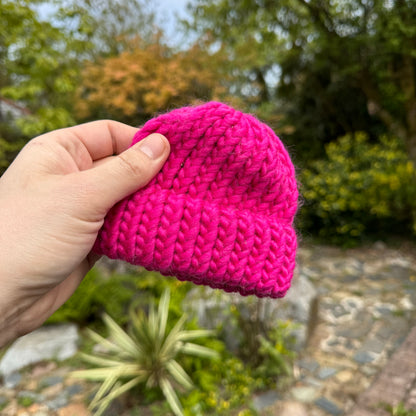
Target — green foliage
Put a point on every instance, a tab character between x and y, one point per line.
25	401
361	188
318	63
8	149
224	386
228	385
268	349
399	410
95	295
40	64
146	355
277	352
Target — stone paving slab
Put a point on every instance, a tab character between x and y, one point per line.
367	307
395	384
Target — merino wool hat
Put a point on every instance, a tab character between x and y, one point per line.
219	213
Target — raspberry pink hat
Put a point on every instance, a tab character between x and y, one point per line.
219	213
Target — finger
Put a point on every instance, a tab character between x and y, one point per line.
122	175
101	138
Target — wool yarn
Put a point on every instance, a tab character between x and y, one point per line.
219	213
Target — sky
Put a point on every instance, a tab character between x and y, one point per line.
166	11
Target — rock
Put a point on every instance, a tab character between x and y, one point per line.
37	409
364	357
53	390
357	329
309	365
217	309
344	376
73	390
293	409
304	394
42	369
57	402
49	342
3	401
326	372
313	382
296	305
329	406
264	400
373	345
50	381
34	397
12	380
75	409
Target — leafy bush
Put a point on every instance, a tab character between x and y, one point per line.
96	295
223	387
147	355
115	294
226	386
362	189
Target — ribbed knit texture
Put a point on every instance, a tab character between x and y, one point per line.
219	213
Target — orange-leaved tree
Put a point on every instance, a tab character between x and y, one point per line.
139	82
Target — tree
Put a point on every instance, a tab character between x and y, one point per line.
42	52
344	65
134	85
112	25
39	65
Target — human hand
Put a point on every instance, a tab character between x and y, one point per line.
53	200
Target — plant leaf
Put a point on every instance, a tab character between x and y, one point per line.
101	361
163	313
196	333
121	337
199	350
105	401
173	337
108	384
99	374
171	397
104	342
179	374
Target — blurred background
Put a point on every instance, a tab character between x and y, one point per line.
336	80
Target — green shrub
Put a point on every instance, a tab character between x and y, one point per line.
361	189
147	355
222	387
96	295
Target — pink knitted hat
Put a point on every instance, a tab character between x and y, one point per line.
220	211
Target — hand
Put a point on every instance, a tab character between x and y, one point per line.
53	200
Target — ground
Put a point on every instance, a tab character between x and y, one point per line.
366	307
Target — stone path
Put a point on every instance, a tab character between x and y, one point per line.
44	390
365	310
367	303
397	382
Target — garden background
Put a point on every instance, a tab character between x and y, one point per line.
335	79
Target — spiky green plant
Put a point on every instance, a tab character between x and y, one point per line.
147	355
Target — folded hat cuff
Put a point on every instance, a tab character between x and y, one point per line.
200	241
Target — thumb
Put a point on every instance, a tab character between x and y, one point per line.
127	172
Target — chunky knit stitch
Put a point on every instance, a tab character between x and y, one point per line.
220	211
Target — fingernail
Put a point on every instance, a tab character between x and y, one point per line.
153	146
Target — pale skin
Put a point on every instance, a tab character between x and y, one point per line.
53	200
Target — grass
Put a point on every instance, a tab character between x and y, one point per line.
399	410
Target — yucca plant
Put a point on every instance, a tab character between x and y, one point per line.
147	355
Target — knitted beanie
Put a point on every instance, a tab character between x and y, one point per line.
219	213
